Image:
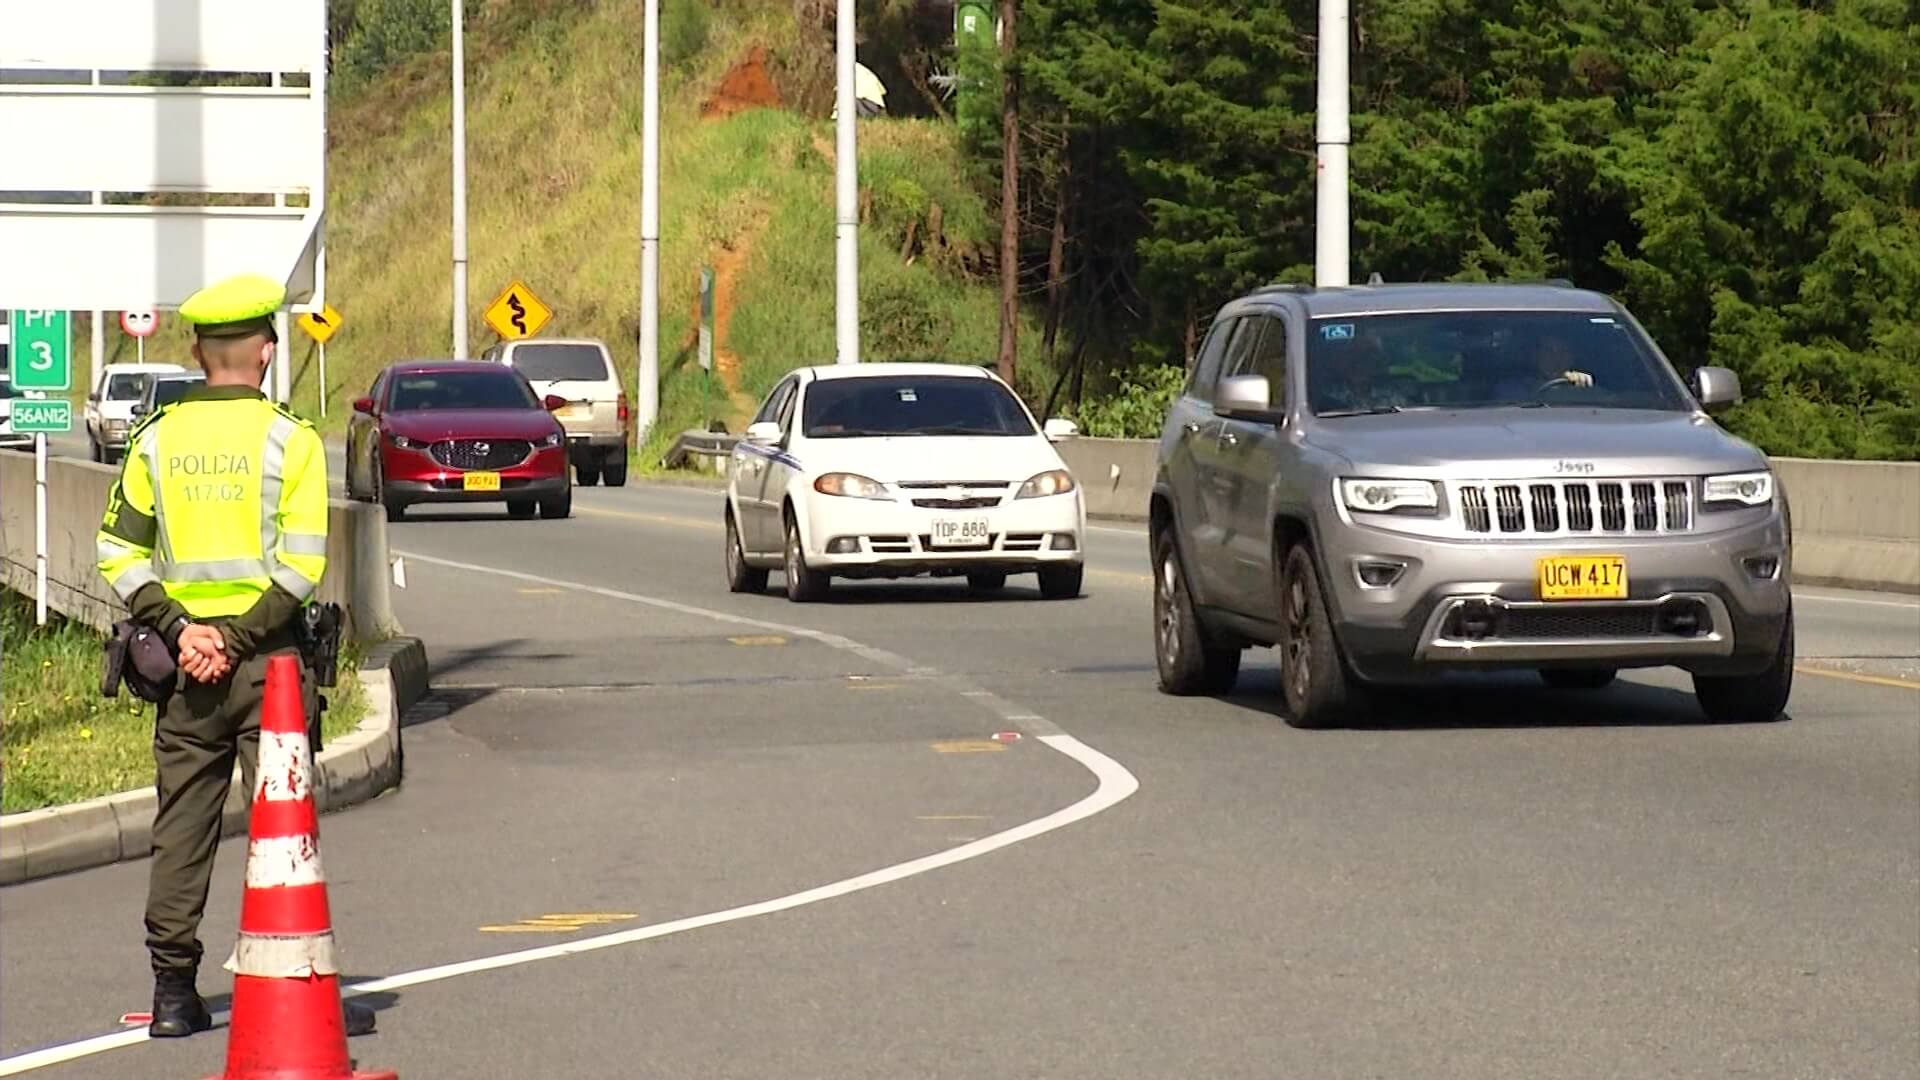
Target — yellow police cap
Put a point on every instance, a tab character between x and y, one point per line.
239	306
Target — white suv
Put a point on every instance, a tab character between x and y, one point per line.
596	417
110	406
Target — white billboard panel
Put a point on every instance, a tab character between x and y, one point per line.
163	35
117	258
220	139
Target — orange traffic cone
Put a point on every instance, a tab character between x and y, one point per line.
287	1022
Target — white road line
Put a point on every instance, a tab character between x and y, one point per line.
1115	784
1831	599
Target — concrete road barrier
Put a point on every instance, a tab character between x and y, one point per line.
1856	524
358	575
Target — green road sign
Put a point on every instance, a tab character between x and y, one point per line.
34	416
42	351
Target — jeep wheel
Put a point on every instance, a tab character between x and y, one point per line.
1314	678
804	584
741	578
1188	665
1578	678
1750	699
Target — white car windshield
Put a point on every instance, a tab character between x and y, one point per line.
126	387
561	363
917	405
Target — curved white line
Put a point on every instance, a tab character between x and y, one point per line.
1115	785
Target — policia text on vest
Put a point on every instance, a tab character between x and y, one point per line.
216	536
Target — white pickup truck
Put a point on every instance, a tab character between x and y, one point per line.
110	406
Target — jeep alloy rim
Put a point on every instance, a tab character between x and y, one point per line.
1299	639
1169	611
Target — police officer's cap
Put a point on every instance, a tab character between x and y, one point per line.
237	307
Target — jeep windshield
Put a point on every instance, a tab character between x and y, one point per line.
888	406
1366	364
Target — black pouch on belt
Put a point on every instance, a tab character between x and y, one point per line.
139	656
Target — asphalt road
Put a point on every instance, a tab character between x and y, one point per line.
1490	880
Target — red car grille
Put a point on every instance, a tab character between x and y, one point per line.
471	454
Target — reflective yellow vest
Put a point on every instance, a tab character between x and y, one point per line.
223	495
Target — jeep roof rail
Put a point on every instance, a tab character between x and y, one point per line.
1284	286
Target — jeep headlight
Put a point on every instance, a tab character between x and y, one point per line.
1373	496
850	485
1738	489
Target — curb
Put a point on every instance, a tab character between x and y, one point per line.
115	828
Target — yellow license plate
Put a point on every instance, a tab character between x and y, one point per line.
1583	577
481	481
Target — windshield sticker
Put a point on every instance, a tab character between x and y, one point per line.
909	395
1603	320
1337	332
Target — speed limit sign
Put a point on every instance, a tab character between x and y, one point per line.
137	323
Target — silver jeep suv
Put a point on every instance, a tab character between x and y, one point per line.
1389	482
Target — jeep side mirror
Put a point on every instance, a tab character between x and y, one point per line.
1716	387
1245	397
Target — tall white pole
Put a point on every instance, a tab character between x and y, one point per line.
846	174
40	530
459	182
97	354
649	389
1332	133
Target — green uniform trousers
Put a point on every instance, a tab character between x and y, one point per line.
197	737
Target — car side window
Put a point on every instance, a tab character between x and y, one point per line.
770	408
1239	351
1268	356
785	417
1206	371
378	392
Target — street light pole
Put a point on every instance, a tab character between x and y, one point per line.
649	389
459	182
1332	133
846	306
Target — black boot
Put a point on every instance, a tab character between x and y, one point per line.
359	1018
177	1008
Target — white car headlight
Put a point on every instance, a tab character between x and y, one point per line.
1052	482
1738	489
403	443
1385	496
550	441
851	485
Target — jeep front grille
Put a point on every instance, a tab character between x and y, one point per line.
1563	507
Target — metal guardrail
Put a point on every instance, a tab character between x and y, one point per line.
692	444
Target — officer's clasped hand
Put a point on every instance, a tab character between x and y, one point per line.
203	654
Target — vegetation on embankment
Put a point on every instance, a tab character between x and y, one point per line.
553	127
60	741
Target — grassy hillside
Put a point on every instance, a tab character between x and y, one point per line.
554	115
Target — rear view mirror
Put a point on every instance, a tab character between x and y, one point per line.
363	405
554	402
1245	397
1716	387
1057	429
765	433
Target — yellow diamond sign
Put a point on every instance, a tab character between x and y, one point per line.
517	313
321	325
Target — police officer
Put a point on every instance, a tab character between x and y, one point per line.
216	535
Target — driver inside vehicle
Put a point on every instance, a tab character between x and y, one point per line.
1550	363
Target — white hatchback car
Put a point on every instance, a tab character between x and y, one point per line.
900	470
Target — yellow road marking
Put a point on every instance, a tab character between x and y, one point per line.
952	817
1854	676
656	519
561	923
759	639
967	746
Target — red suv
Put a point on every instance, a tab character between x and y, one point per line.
458	432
